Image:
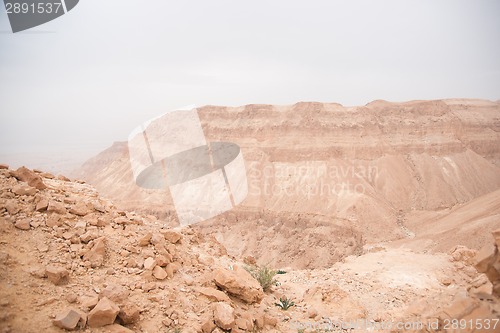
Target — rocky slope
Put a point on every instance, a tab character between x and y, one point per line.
71	260
320	172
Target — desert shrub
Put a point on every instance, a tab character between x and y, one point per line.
285	303
280	271
263	274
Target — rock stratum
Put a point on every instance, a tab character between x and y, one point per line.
328	181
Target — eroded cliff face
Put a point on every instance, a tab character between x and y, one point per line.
373	169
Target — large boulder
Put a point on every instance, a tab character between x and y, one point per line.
239	283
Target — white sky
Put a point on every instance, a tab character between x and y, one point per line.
87	79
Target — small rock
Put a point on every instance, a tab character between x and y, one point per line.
24	190
80	209
104	313
129	314
89	301
71	297
42	205
53	220
23	224
224	315
12	207
159	273
56	207
149	263
214	294
63	178
56	275
69	319
144	240
96	255
171	236
115	293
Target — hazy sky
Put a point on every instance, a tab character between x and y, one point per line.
88	78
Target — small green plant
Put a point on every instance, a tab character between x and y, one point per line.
280	271
264	275
285	303
301	330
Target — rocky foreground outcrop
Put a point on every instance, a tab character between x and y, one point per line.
70	260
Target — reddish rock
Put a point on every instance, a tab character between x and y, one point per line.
69	319
26	175
53	220
129	314
96	255
239	283
63	178
23	189
104	313
171	236
214	294
42	205
4	166
223	315
23	224
56	275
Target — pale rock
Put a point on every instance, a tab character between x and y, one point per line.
170	270
89	301
80	209
53	220
144	240
149	263
56	207
159	273
42	205
104	313
163	259
223	315
12	207
157	239
115	293
89	235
